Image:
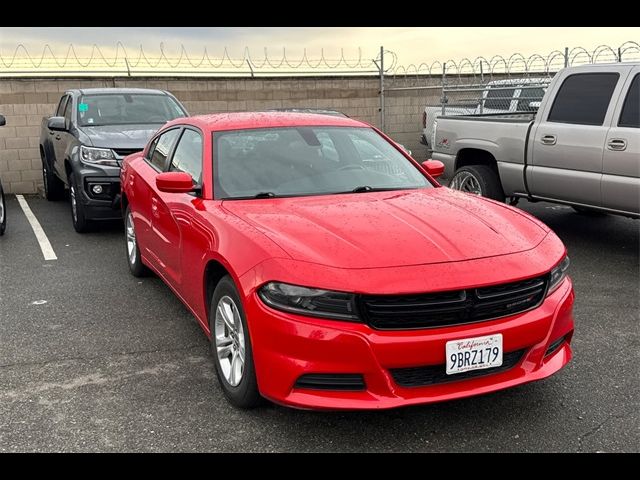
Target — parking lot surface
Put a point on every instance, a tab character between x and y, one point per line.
93	359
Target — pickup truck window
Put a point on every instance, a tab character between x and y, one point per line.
67	111
630	116
499	99
159	152
188	155
527	96
61	105
583	98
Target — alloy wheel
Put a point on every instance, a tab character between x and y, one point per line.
74	206
466	182
131	239
1	209
229	341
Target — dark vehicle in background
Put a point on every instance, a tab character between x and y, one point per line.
3	211
82	145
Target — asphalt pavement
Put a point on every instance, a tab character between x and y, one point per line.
93	359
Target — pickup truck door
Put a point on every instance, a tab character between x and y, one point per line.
621	162
59	139
567	145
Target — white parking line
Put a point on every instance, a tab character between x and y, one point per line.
45	245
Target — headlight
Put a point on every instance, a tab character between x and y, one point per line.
100	156
558	274
309	301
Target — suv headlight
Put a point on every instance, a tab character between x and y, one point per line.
312	302
558	274
99	156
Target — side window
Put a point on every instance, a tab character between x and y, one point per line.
160	151
583	98
499	98
630	116
188	155
67	111
63	103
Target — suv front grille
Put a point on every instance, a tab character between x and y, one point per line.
440	309
433	374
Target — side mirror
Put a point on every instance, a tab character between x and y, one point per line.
57	124
3	121
175	182
435	168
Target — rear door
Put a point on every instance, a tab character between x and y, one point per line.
569	140
621	163
59	139
145	192
172	212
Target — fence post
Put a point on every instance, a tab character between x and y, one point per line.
619	54
382	88
566	57
443	98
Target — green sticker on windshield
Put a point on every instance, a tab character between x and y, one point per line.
83	107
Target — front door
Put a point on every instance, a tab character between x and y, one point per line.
567	145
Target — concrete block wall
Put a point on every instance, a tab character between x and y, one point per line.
25	101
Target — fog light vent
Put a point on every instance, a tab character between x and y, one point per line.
331	381
554	346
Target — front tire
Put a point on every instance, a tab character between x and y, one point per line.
3	212
134	260
231	346
480	180
80	222
53	186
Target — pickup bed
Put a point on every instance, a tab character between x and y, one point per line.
582	147
83	144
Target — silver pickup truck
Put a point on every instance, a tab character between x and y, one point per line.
582	148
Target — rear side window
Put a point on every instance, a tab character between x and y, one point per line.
499	98
188	155
584	98
159	152
630	116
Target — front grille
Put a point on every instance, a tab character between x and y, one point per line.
428	310
123	152
434	374
331	381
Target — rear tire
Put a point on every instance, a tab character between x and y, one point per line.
53	186
231	346
80	222
478	179
589	212
3	212
134	260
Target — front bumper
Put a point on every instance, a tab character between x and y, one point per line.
288	346
104	206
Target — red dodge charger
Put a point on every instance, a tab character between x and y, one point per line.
330	270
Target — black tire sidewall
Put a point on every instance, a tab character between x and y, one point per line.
245	394
80	224
54	187
3	224
488	180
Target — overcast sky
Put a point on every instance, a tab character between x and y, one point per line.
412	45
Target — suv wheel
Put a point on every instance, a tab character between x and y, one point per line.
53	186
478	179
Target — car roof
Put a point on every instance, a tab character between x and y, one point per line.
96	91
246	120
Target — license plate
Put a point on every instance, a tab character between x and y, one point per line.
474	353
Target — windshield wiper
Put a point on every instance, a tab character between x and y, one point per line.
264	195
368	188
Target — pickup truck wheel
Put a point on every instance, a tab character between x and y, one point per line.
478	179
136	267
80	223
231	346
53	186
3	212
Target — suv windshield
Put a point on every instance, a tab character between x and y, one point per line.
127	109
296	161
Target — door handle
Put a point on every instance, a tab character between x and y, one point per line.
617	144
549	139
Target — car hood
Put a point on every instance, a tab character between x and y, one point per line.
387	229
120	136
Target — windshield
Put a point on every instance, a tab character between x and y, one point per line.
297	161
127	109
